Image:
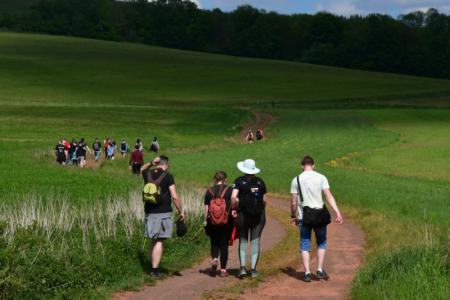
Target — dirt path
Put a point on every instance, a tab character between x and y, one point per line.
262	120
190	284
346	244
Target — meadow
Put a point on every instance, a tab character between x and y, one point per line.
382	140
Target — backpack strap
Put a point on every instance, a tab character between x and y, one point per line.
299	189
225	190
157	181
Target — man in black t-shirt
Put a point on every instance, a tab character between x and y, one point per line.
159	217
81	153
60	153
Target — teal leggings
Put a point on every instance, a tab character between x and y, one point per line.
250	226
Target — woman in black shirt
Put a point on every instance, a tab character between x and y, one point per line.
219	221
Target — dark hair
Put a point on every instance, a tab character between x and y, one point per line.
308	161
163	160
220	176
155	138
136	147
82	140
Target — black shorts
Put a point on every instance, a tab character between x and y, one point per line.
250	224
136	169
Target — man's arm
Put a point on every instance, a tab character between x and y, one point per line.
234	202
146	167
176	201
332	202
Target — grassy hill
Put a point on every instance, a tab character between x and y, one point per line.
378	137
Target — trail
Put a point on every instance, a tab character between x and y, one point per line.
262	120
190	284
346	250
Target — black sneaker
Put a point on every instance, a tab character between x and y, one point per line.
322	275
155	273
213	272
242	273
253	273
308	277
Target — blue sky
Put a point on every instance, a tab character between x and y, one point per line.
341	7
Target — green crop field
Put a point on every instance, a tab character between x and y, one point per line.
382	139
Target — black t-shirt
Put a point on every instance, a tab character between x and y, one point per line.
244	183
73	148
60	149
165	204
81	150
96	146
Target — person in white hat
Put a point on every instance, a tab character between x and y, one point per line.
249	195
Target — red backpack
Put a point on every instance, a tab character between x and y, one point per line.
218	212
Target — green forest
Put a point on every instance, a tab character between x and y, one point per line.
417	43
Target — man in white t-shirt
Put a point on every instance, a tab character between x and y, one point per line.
312	185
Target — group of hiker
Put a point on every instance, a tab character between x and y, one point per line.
258	136
75	152
238	211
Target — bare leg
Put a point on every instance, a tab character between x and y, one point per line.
305	257
320	258
157	252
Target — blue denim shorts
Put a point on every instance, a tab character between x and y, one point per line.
305	236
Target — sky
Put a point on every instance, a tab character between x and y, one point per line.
340	7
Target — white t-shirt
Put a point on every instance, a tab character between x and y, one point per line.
312	184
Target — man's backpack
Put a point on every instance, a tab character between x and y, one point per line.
218	211
251	199
152	189
123	146
259	135
154	146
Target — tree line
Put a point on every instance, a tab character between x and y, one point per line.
417	43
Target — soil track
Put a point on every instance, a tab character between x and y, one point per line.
346	243
262	120
192	283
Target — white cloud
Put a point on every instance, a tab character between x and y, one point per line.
341	7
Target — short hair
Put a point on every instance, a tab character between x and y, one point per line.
220	176
163	160
136	147
307	161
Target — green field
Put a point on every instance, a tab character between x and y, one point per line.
382	140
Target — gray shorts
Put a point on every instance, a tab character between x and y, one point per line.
159	226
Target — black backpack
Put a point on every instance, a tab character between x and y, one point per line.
259	135
251	199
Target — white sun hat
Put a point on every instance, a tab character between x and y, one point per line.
248	166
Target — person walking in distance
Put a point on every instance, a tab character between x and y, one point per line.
97	148
106	143
112	150
249	193
136	161
123	148
158	207
249	136
154	146
81	153
139	144
60	153
310	213
219	222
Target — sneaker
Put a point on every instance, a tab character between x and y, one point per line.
214	264
322	275
254	274
308	277
223	273
155	273
242	273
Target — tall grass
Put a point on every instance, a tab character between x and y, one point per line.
55	216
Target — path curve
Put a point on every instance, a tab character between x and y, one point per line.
346	250
190	284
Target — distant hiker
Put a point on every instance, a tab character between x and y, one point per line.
97	148
259	134
106	143
139	143
310	213
66	144
219	221
123	148
60	153
73	152
136	160
112	150
81	153
249	192
154	146
159	192
249	137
